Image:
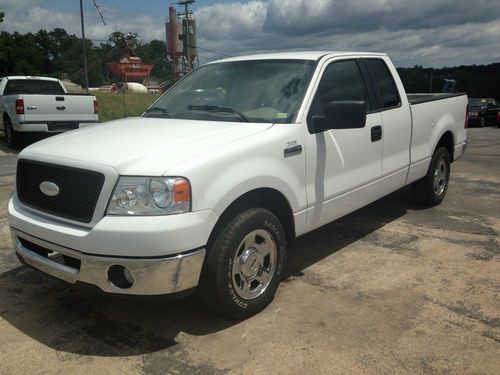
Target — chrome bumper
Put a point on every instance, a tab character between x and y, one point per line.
150	276
466	142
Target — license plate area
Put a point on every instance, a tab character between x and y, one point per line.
54	256
62	126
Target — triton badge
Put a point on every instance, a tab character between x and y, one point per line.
293	150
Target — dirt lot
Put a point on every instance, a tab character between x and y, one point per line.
388	289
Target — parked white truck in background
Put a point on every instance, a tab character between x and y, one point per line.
238	158
42	105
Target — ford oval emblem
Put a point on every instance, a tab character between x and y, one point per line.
49	188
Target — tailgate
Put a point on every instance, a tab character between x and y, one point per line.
59	108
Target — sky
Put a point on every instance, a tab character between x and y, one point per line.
431	33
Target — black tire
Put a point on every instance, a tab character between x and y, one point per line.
219	286
425	191
12	137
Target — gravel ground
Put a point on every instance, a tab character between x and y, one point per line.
388	289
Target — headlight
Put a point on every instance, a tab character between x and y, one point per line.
150	196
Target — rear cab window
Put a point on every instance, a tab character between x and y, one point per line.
33	86
384	85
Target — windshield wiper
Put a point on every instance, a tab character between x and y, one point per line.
217	108
160	112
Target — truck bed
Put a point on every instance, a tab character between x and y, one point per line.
430	97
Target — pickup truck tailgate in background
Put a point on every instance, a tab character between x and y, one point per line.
44	108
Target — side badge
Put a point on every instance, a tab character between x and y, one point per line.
292	150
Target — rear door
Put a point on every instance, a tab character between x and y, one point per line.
344	166
396	123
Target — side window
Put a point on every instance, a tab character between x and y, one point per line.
342	80
384	83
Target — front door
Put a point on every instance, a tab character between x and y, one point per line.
344	166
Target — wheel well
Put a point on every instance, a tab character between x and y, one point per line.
446	141
267	198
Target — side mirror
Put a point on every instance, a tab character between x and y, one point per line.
348	114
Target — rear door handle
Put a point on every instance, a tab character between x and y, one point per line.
61	108
376	132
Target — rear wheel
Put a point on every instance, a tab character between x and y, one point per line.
12	137
243	266
431	190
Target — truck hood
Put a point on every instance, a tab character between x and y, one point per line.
142	146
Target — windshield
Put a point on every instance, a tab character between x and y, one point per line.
246	91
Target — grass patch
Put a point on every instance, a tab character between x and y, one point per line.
117	105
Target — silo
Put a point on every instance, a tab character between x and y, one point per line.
174	35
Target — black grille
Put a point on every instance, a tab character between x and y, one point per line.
79	189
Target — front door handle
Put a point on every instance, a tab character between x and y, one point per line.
376	133
61	108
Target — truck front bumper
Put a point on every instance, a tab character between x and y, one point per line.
143	255
135	276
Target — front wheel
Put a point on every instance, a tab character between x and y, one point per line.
243	267
431	190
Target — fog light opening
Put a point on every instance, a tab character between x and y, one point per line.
120	277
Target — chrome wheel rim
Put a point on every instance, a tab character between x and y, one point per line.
440	177
254	264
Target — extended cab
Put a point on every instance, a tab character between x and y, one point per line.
237	159
41	104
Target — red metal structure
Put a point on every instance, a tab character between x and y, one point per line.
130	68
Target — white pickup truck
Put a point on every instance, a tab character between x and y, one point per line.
42	105
205	190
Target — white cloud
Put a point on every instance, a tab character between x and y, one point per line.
426	32
234	21
30	16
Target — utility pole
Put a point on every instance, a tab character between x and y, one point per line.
186	34
84	50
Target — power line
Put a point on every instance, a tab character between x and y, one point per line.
214	51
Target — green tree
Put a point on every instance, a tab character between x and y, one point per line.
119	39
19	54
154	52
2	15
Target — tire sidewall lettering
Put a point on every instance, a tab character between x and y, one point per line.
276	234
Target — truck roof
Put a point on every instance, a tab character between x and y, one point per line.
32	77
299	55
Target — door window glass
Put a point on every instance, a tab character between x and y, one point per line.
342	80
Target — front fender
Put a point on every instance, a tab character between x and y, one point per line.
235	180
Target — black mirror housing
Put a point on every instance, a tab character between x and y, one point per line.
347	114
